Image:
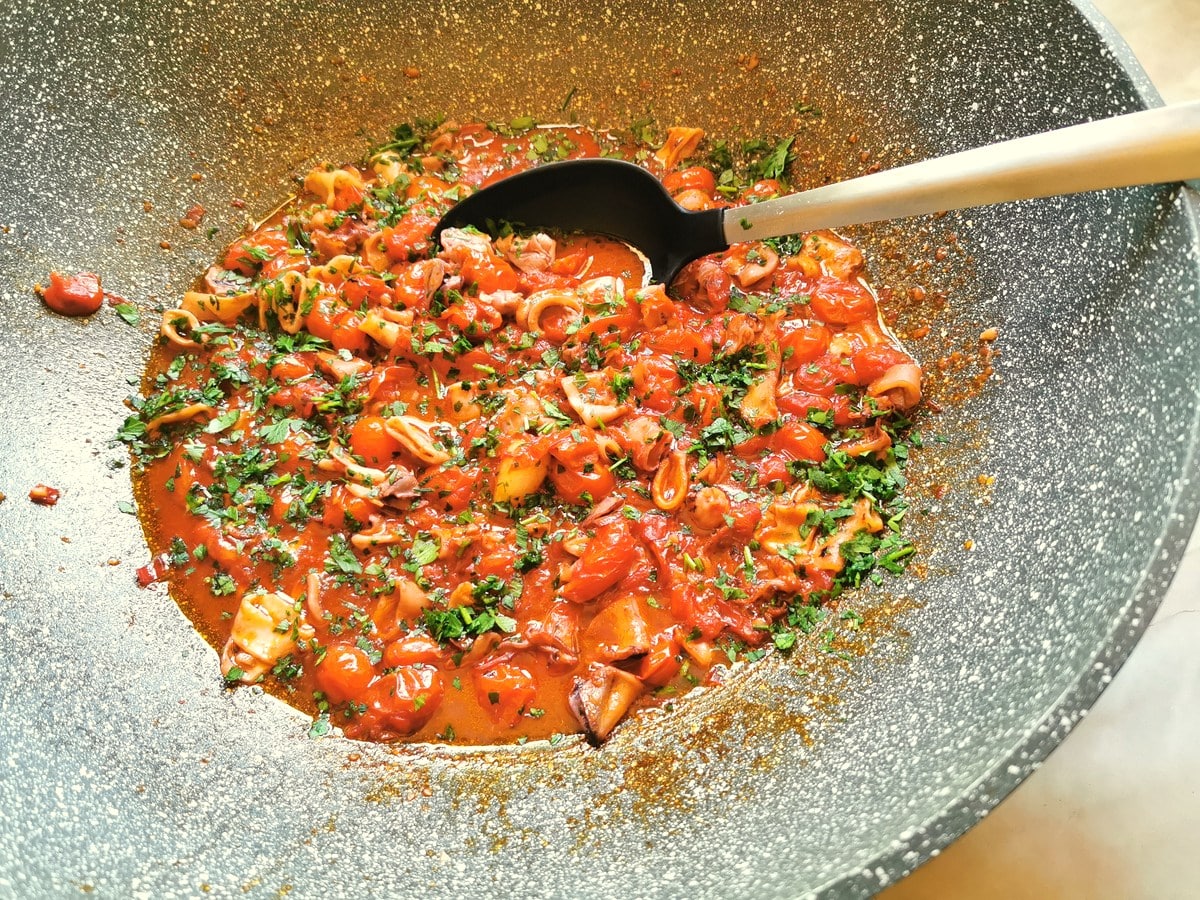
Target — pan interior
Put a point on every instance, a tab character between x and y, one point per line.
130	769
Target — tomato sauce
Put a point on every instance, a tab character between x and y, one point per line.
501	489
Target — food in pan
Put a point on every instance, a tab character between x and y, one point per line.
501	489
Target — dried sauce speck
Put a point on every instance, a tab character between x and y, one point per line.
193	217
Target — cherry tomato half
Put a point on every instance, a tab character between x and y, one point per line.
344	673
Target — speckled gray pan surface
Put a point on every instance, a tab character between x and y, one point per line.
125	767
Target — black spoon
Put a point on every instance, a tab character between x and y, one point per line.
607	196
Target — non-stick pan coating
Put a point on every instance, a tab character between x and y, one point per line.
126	768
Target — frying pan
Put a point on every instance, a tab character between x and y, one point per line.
126	768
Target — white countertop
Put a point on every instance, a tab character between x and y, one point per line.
1115	811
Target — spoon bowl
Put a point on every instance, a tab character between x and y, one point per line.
597	196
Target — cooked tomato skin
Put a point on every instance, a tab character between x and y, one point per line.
291	368
73	295
344	673
370	440
803	343
604	561
410	649
799	440
662	663
410	237
579	472
505	691
840	302
451	490
346	334
873	362
404	699
320	322
246	256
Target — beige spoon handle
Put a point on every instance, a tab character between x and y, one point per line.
1156	145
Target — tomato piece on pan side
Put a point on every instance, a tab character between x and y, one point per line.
73	295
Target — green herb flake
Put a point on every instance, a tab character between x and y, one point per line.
129	313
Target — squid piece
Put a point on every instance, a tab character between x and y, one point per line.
401	484
557	635
264	631
715	470
415	285
609	446
618	631
224	308
290	297
374	252
901	383
594	401
519	474
173	320
444	137
339	368
833	254
312	598
367	475
221	281
532	254
657	308
388	167
504	302
460	399
601	698
602	290
379	535
381	328
458	243
864	519
425	276
400	609
873	440
747	267
532	309
759	406
600	510
670	486
522	412
575	543
646	442
416	436
324	184
336	271
786	531
182	415
741	331
680	144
